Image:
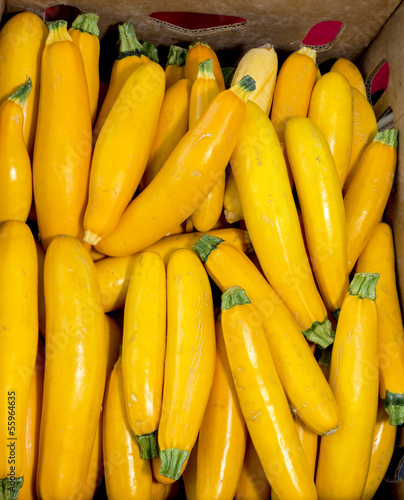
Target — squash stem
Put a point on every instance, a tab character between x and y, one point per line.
10	487
151	51
148	445
21	94
321	333
244	87
91	238
228	74
205	245
128	43
87	23
364	285
172	461
389	137
176	55
394	405
205	70
307	51
234	296
57	32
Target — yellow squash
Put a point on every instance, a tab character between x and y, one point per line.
378	257
186	178
15	164
62	154
262	399
143	349
22	40
175	66
18	348
204	90
261	63
344	457
126	474
190	474
122	150
293	88
364	131
75	369
222	436
171	127
41	293
114	272
231	202
85	33
190	360
384	438
253	483
131	56
302	379
331	109
351	73
322	207
369	191
198	53
273	225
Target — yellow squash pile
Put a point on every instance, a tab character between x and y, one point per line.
234	236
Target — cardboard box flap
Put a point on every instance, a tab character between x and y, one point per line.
280	23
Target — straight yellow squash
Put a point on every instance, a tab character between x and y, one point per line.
122	150
344	457
75	369
232	209
351	73
262	399
175	66
18	348
63	146
190	360
253	483
186	178
196	54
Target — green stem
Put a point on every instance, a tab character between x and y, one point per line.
128	43
321	333
336	314
205	70
148	445
234	296
21	94
10	487
389	137
151	51
57	32
172	461
87	23
228	74
364	285
244	87
205	245
394	405
176	55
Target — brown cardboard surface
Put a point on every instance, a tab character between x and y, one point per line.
281	23
389	45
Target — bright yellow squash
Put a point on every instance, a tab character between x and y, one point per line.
384	439
143	349
196	54
378	257
322	207
344	457
85	33
253	483
62	155
122	150
261	63
273	225
175	66
331	109
364	131
15	164
302	379
171	127
190	360
222	436
75	369
21	60
351	73
293	88
41	294
18	348
131	56
190	474
126	474
114	272
231	202
204	90
262	399
186	178
369	191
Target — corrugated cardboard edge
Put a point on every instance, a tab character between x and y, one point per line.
196	32
389	44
